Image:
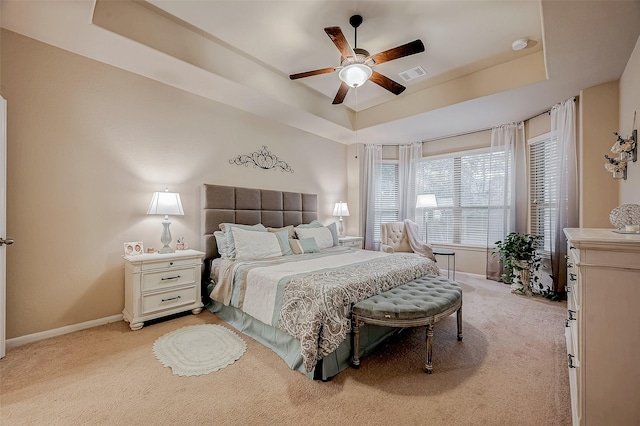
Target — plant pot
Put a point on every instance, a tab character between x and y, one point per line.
521	279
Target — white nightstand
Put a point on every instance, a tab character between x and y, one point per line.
353	242
157	285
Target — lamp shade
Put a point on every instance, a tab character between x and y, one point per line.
355	75
341	209
426	201
166	203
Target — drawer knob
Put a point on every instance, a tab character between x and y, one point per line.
570	361
171	298
170	263
571	317
170	278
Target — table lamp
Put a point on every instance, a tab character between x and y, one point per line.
426	201
341	209
166	203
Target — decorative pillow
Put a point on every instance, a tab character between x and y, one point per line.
312	224
288	228
227	227
255	244
283	239
334	232
322	235
304	245
221	242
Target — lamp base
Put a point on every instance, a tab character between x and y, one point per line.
165	238
340	229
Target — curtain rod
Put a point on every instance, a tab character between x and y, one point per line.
471	132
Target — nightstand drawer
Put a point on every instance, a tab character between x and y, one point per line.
170	278
168	299
168	263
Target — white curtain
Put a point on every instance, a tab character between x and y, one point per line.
563	128
410	155
370	175
508	190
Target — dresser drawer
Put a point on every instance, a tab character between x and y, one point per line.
168	278
168	263
168	299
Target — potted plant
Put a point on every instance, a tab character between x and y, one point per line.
519	255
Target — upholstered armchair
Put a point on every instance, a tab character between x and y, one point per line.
403	237
394	238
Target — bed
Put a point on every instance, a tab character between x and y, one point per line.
296	304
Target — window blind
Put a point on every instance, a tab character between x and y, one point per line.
462	185
543	185
387	197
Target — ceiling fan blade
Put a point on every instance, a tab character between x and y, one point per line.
336	36
342	92
411	48
310	73
387	83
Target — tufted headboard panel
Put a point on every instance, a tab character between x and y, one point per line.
249	206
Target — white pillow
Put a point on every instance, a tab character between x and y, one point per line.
322	235
255	244
221	242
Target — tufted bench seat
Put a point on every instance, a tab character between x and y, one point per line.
423	301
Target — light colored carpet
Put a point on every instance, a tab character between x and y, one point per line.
510	369
198	349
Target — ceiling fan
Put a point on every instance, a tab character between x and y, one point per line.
356	65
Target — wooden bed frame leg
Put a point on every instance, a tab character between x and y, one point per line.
428	367
459	315
355	344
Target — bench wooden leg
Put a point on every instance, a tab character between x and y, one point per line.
428	367
459	315
355	344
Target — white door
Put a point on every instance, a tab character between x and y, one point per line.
3	223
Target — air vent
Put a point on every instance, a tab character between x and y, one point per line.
413	73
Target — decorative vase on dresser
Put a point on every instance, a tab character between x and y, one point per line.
603	326
158	285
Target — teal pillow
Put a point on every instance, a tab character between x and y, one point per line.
334	232
304	245
283	239
312	224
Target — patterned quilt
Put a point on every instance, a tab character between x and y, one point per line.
310	296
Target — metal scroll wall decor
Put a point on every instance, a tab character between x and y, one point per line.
262	159
628	152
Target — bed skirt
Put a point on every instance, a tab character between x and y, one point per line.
288	348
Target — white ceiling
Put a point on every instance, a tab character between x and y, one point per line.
241	52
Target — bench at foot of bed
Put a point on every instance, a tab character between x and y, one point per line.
421	302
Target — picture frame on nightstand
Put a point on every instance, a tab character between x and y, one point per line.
133	248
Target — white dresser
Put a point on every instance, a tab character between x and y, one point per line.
158	285
603	326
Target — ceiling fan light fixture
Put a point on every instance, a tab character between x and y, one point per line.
355	75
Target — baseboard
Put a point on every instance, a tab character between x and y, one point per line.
23	340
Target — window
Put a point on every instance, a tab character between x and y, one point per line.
387	197
461	184
543	187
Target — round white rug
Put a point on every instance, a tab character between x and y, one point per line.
199	349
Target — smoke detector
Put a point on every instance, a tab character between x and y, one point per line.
520	44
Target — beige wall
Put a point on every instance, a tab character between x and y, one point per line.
598	119
630	106
88	144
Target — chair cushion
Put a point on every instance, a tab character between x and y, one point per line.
423	297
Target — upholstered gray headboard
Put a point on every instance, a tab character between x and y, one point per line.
249	206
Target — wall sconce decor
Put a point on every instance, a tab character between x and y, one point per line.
627	149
